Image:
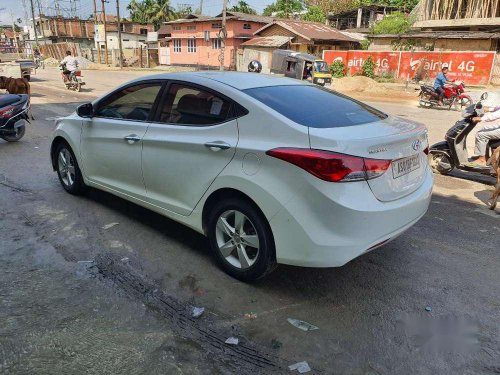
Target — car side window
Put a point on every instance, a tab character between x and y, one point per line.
190	105
132	103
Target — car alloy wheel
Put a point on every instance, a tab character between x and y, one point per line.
237	239
66	167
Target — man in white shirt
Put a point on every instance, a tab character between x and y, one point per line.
71	65
487	133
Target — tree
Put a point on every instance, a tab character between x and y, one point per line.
395	23
315	14
243	7
151	11
284	8
340	6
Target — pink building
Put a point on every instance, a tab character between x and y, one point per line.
196	40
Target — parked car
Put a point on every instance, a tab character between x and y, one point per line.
272	170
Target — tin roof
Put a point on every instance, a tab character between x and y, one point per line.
229	16
310	30
441	35
274	41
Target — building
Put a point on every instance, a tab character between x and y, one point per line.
261	49
196	40
359	20
447	25
308	37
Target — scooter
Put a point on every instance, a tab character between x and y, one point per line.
454	96
452	153
75	81
14	112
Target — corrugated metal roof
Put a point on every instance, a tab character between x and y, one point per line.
267	41
165	30
441	35
229	16
310	30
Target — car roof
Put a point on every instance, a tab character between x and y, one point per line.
238	80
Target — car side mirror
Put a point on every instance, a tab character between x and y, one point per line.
85	110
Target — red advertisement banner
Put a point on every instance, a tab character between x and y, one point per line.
472	67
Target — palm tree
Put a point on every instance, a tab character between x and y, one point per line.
243	7
151	11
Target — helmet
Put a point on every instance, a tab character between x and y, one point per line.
255	66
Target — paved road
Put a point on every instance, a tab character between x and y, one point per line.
127	311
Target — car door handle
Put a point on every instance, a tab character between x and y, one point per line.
132	138
217	145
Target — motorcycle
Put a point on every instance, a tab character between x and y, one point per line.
454	96
74	81
14	112
452	153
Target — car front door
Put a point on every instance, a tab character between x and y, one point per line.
111	140
192	139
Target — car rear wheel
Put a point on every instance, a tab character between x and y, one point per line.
68	171
241	240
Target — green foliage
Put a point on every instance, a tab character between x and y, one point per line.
365	44
395	23
243	7
284	8
338	69
368	69
340	6
315	14
151	11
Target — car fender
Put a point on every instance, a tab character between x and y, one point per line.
71	134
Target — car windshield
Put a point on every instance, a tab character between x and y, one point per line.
321	67
316	107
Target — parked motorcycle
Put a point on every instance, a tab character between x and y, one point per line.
14	112
454	96
452	153
75	81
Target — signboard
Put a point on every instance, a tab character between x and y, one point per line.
99	33
472	67
152	36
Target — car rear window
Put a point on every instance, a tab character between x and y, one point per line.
315	106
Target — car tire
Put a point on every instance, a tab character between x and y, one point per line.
244	248
68	171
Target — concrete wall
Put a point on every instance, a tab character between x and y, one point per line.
385	44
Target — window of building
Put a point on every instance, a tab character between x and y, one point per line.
247	26
176	27
177	46
216	43
131	103
188	105
191	45
191	27
217	25
143	31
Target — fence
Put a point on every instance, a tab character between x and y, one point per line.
476	68
58	50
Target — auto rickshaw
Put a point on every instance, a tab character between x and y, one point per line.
300	66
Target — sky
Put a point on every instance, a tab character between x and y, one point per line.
85	7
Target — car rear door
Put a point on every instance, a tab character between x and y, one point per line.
111	141
193	138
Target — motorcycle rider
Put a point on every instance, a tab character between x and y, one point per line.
439	83
71	65
488	132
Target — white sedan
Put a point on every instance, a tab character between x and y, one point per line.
270	169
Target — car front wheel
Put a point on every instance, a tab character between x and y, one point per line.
241	240
68	171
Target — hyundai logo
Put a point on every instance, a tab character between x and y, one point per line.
416	144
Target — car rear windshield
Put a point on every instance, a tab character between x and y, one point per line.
315	106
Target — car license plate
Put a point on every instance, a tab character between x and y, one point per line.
404	166
321	80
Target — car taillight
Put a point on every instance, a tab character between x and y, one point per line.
6	112
332	166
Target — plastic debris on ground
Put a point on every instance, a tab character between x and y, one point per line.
275	344
110	225
232	341
197	312
250	316
428	308
124	259
301	367
300	324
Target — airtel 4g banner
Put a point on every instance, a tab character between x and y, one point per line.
471	67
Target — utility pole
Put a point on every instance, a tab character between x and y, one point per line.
224	34
119	24
41	21
34	24
201	7
95	28
105	34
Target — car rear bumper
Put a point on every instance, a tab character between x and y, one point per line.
331	224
